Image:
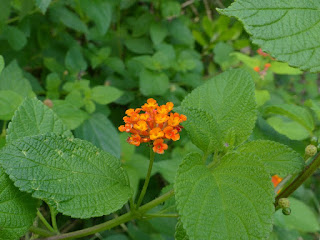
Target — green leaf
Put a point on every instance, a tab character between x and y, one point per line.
153	83
12	79
158	32
222	55
68	18
43	5
234	200
139	45
72	175
17	210
100	131
315	106
168	168
74	60
262	96
1	63
277	158
9	102
249	61
180	232
15	37
70	115
288	30
222	105
284	68
291	129
105	94
180	33
295	113
34	118
302	218
170	9
99	11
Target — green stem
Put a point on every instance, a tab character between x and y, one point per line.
146	182
45	222
300	179
155	215
40	231
114	222
54	219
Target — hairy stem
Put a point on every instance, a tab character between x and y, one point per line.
309	169
53	219
114	222
146	182
45	222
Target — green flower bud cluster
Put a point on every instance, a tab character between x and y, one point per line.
284	203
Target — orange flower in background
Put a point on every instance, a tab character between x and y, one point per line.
276	180
154	125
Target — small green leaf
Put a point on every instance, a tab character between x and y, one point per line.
158	32
43	5
295	113
11	78
180	33
315	106
223	104
15	37
100	131
17	209
288	30
153	83
249	61
74	60
302	218
222	55
278	158
9	102
139	45
262	96
100	12
284	68
70	115
170	9
72	175
105	94
34	118
234	200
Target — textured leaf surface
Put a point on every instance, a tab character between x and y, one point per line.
230	201
43	5
17	209
72	175
34	118
278	158
9	102
288	30
100	131
223	105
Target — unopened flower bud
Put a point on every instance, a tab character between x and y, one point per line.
310	150
48	102
284	203
286	211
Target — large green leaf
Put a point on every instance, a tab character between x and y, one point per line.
34	118
72	175
17	209
234	200
278	158
100	131
222	107
288	30
9	102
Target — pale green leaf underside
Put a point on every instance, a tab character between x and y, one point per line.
34	118
296	113
222	105
288	30
17	210
232	201
277	158
72	175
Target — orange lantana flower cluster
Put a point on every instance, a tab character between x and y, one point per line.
155	124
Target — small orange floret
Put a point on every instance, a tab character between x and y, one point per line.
171	133
262	53
156	124
134	140
256	68
159	146
141	126
267	65
276	180
156	133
